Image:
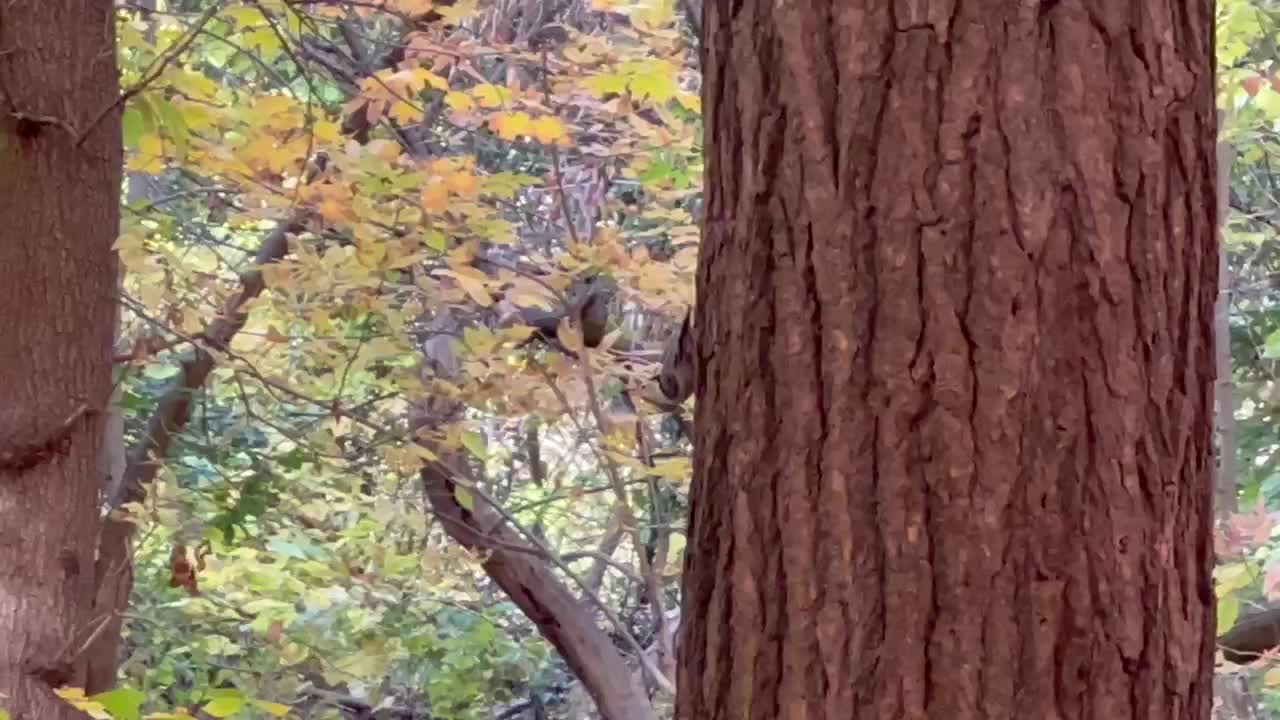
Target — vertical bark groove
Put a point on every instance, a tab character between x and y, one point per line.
956	459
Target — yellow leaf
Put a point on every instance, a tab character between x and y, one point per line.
76	697
458	11
489	96
196	115
151	145
535	300
605	83
431	79
132	250
435	196
370	254
195	84
327	131
268	105
192	323
474	288
549	130
411	7
511	125
464	498
152	295
677	469
655	80
406	113
459	102
657	14
244	17
690	101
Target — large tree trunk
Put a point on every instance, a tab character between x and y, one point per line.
954	425
60	173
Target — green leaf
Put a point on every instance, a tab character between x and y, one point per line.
1228	611
435	240
283	548
173	122
159	371
1232	577
123	703
1271	346
131	127
225	703
475	442
464	498
146	111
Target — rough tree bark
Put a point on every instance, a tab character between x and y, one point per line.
956	461
60	175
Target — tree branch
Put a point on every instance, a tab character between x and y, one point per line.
113	570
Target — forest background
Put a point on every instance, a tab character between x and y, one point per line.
359	236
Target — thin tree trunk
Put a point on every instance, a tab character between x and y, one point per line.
60	175
954	429
1227	472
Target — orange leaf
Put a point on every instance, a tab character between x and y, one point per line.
435	196
511	125
464	184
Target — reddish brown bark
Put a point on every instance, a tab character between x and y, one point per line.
60	155
954	419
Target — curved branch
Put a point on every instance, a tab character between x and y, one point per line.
114	567
559	616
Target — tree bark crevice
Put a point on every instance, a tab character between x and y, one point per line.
957	461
